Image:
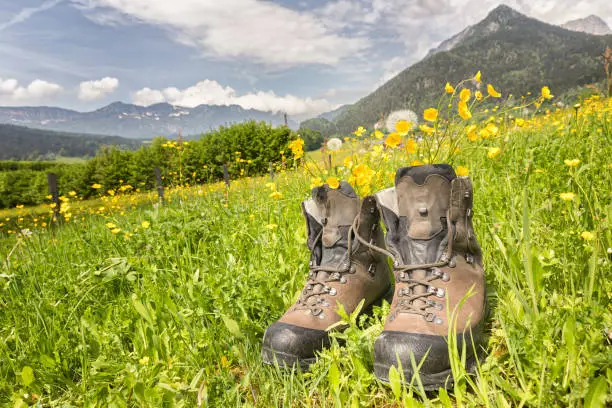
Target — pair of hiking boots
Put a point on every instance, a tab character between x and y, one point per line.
437	266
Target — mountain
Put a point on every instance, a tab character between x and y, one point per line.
591	25
23	143
333	114
516	53
135	121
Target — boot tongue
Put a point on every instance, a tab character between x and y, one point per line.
423	194
419	174
338	208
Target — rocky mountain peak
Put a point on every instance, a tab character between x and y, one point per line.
591	25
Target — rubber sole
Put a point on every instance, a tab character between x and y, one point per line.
431	382
291	361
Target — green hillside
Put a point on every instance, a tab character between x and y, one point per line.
516	53
23	143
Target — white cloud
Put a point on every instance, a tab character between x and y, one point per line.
254	30
94	90
212	93
37	91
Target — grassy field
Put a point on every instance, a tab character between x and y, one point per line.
166	306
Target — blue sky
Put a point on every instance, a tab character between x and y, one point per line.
299	56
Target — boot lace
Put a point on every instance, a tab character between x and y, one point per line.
418	303
316	289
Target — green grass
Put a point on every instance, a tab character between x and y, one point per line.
174	314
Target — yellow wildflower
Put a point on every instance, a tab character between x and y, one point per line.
276	195
546	93
96	186
520	122
430	114
145	224
465	95
426	129
378	134
493	151
491	90
464	111
478	77
72	193
471	133
462	171
492	129
363	175
348	162
478	96
393	140
116	230
567	196
360	131
297	148
333	182
416	163
271	226
316	182
411	146
572	162
449	88
110	225
402	127
587	236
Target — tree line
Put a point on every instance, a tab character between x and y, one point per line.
247	149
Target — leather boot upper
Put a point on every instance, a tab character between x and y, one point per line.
428	217
339	273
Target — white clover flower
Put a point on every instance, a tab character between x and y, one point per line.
405	114
334	144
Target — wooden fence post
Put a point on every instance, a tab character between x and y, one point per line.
226	175
158	182
54	191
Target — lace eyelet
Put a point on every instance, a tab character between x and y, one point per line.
372	269
343	279
332	291
430	317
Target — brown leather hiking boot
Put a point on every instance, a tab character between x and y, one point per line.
341	270
437	261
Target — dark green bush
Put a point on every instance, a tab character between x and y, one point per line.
246	148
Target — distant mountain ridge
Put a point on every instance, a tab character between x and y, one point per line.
592	25
517	53
23	143
138	122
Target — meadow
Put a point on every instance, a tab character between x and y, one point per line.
165	306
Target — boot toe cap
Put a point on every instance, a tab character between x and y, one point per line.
391	346
430	350
290	345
